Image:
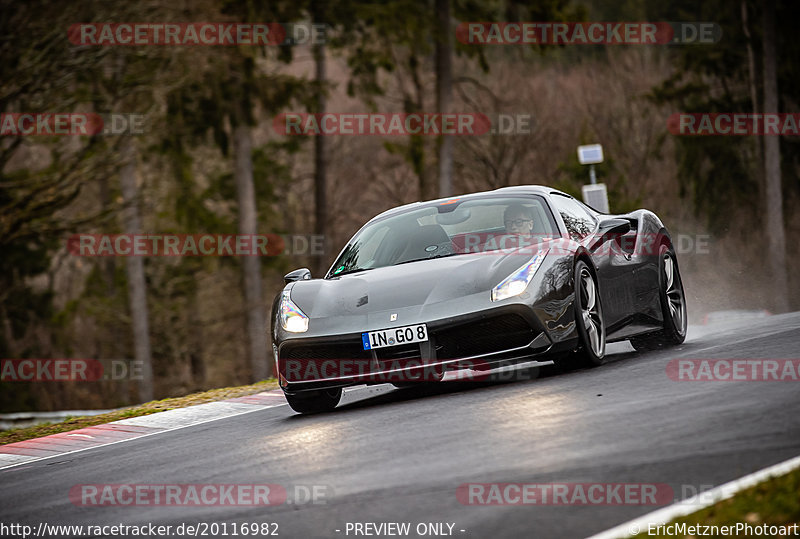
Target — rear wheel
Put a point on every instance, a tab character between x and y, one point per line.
673	306
314	402
589	318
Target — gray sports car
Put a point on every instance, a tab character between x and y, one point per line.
517	274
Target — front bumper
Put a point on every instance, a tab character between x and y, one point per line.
475	340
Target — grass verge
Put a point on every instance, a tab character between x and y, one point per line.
74	423
774	502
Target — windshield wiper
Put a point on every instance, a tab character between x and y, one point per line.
357	270
428	258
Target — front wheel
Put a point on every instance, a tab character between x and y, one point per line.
314	402
673	306
589	317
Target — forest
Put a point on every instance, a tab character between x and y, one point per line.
186	137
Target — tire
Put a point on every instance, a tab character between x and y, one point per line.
673	305
588	318
314	402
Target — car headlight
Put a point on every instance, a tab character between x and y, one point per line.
293	319
516	283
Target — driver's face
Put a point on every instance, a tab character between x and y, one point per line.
519	223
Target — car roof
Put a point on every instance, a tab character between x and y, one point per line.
515	189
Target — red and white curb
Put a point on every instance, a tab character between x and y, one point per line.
683	508
56	445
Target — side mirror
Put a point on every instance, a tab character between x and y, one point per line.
302	274
614	227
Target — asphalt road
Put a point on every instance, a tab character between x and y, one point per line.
399	455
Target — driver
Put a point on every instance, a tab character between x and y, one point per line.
518	220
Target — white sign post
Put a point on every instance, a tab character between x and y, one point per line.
594	194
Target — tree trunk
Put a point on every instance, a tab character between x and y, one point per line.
260	366
751	60
444	93
107	265
320	163
772	169
418	143
134	267
751	83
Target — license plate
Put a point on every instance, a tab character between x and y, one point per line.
392	337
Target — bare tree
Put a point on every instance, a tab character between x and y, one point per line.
776	236
251	265
752	81
320	146
134	267
444	92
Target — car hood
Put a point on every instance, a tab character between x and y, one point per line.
414	284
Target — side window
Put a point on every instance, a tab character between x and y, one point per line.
580	222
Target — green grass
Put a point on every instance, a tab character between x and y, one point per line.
74	423
772	502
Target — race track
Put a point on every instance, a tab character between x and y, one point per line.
389	455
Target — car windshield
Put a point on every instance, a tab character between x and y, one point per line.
456	227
